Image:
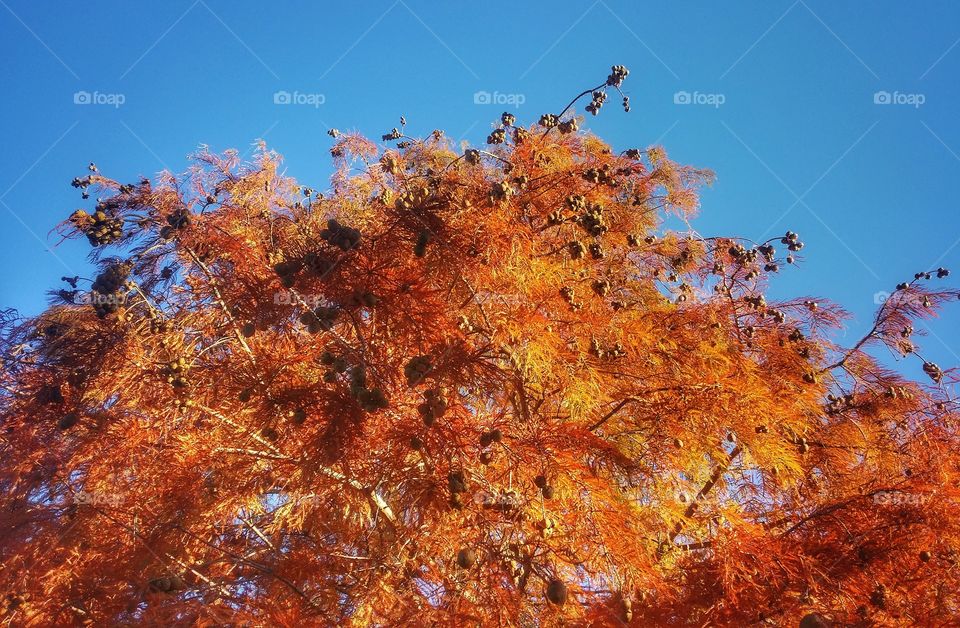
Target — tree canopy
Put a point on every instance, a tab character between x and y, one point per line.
463	386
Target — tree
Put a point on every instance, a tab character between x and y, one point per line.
462	387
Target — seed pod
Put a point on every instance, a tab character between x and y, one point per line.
466	558
925	556
415	443
341	236
456	482
372	400
497	136
577	249
50	394
369	299
557	592
547	492
248	330
166	584
933	371
814	620
423	239
496	435
416	369
540	481
269	433
68	421
548	120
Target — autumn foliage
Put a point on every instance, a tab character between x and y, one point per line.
463	386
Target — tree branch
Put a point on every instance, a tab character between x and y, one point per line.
718	472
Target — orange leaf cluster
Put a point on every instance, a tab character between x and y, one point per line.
462	387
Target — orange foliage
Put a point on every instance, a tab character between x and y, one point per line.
462	387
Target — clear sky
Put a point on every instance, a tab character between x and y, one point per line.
836	119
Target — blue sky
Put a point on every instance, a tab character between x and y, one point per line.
783	105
